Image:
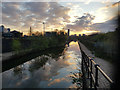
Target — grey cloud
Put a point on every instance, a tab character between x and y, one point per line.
107	26
33	13
82	23
85	23
11	9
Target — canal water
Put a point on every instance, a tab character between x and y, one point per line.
46	72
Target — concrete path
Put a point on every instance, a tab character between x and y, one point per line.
7	55
106	66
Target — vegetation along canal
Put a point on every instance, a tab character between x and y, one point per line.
47	71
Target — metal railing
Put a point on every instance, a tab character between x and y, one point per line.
89	64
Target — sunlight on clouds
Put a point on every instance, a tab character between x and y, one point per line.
88	1
59	15
33	14
105	13
87	32
57	81
73	86
76	10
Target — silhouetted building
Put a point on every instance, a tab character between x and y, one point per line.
61	33
79	35
84	35
5	32
8	30
2	28
7	35
68	32
16	34
75	35
49	34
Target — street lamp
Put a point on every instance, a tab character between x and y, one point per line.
43	28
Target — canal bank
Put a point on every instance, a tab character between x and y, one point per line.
17	59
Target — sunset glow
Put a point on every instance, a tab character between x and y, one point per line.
83	32
60	15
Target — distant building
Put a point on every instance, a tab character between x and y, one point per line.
6	33
2	28
16	34
75	35
25	36
8	29
54	33
83	35
49	34
61	33
79	35
68	32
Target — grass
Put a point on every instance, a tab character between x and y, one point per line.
103	45
38	42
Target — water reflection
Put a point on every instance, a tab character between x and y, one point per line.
38	63
46	71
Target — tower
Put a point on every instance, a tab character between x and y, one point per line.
68	32
30	31
43	28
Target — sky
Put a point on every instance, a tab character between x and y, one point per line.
80	17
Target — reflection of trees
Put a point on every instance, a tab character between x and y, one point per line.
77	79
38	63
17	70
56	53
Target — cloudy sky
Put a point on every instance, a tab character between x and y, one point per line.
80	17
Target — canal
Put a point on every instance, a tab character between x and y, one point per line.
46	71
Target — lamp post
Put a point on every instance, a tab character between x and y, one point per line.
43	28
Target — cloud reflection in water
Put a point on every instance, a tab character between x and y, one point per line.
44	71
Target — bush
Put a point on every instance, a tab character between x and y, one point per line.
16	45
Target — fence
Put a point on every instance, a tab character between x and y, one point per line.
91	71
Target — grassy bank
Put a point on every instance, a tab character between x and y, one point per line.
103	45
35	43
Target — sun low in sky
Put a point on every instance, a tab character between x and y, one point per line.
79	17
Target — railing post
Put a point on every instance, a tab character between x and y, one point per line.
96	75
83	70
91	74
88	67
112	86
